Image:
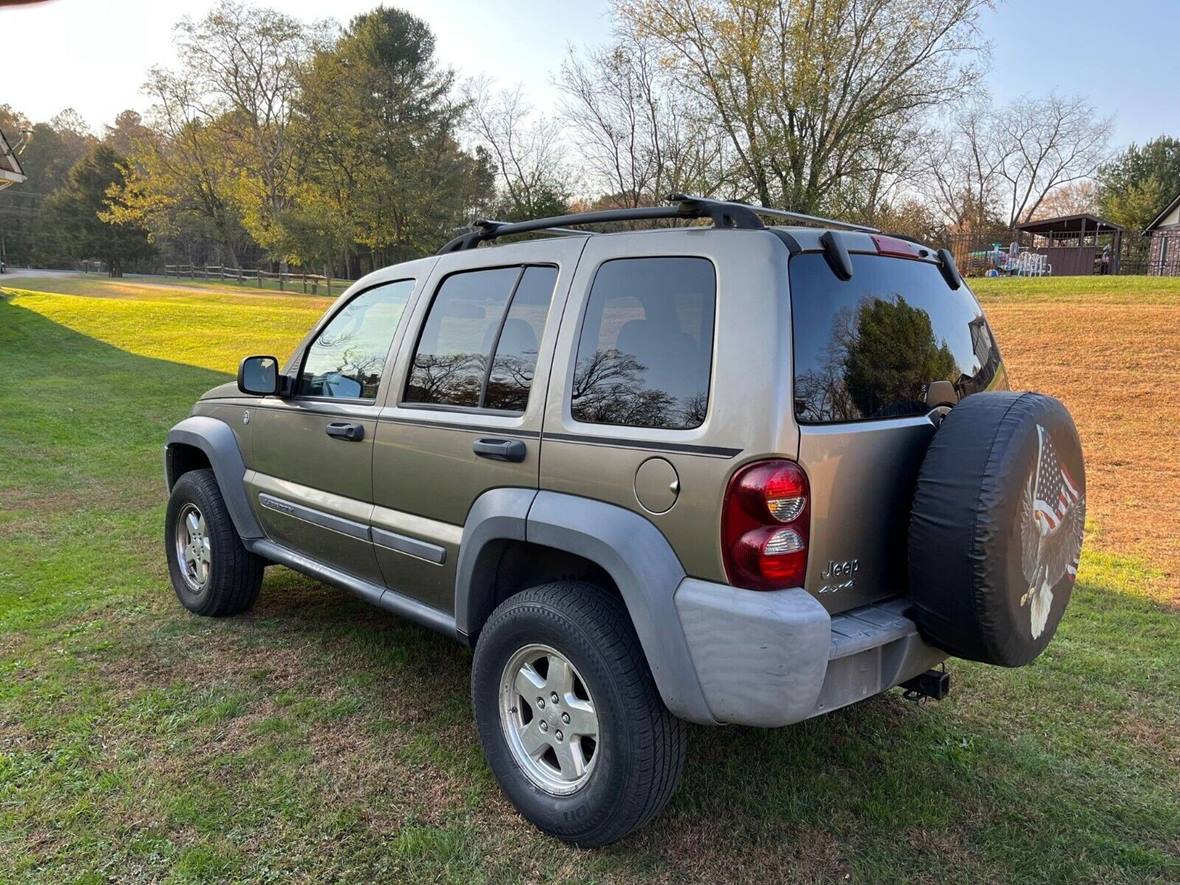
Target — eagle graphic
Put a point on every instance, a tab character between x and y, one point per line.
1052	520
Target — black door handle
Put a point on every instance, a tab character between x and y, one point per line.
500	449
344	430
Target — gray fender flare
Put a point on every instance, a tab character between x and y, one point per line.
628	547
216	439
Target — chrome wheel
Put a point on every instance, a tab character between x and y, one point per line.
193	550
549	720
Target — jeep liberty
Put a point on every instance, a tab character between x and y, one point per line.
726	472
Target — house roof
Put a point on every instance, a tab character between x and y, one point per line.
1158	220
10	168
1082	223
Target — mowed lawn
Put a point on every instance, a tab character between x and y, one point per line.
318	739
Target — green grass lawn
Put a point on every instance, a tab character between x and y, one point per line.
1079	290
318	739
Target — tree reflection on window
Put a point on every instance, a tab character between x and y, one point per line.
645	350
879	362
348	358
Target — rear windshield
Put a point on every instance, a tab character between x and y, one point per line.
867	348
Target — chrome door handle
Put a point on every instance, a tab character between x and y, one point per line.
344	430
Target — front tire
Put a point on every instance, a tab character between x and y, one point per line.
212	573
605	756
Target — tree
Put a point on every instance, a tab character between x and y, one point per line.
526	151
127	133
50	151
183	181
817	99
1001	164
1135	186
1075	198
225	160
78	212
634	127
242	65
53	149
1054	141
376	117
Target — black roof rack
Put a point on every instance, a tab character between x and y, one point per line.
723	214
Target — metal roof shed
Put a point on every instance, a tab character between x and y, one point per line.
1074	243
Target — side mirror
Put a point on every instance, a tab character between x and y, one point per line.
259	375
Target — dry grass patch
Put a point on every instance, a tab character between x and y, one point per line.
1111	364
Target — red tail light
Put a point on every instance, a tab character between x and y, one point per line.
764	526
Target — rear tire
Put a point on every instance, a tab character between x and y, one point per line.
212	573
630	768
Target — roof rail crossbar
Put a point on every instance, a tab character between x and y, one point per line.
818	220
723	214
749	209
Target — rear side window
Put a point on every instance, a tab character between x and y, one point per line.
347	358
869	347
479	344
646	346
511	376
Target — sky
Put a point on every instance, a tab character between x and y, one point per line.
93	55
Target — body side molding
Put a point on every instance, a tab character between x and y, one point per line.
374	594
220	446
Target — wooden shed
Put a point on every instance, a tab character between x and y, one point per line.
1074	244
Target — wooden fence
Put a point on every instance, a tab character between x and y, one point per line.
309	283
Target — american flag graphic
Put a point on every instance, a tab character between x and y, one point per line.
1056	492
1053	516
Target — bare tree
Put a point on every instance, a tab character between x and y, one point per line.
634	127
1002	164
1053	141
965	168
814	96
525	148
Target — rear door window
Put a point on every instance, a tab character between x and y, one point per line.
868	348
646	347
479	344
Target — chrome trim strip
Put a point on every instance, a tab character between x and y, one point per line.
391	601
315	517
410	546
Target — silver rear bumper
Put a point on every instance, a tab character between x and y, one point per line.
770	658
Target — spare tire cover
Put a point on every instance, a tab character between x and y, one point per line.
996	528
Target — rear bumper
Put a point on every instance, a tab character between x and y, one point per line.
770	658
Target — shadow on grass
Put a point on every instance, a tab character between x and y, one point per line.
1021	774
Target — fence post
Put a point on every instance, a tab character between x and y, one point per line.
282	282
305	282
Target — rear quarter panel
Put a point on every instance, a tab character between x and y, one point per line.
747	418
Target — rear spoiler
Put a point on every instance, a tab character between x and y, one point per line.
836	253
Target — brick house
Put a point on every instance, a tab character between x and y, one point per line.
1163	255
